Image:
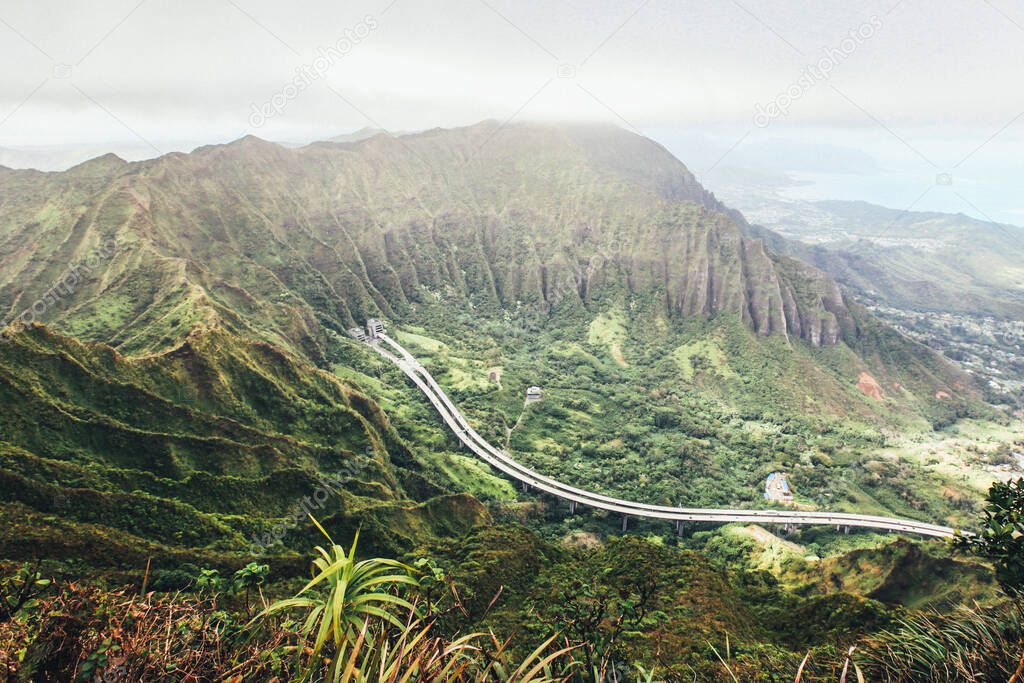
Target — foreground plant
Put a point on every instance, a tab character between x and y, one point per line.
20	589
1001	539
84	633
351	594
350	634
252	575
418	654
968	644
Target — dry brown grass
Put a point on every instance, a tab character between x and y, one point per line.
82	632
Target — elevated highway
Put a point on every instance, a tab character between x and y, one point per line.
390	349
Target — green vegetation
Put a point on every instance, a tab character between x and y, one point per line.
608	330
355	592
710	432
702	355
631	609
195	398
968	644
1001	538
189	456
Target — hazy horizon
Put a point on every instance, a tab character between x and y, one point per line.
791	162
904	92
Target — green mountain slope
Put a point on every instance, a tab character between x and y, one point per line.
699	411
194	351
909	259
949	281
286	244
196	454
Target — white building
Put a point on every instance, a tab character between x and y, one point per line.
777	488
374	328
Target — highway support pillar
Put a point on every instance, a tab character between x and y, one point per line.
679	527
625	522
526	487
572	507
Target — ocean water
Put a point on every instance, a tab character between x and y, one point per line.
997	197
974	170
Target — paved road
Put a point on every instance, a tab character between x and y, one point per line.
503	462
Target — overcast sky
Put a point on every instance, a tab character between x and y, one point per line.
933	84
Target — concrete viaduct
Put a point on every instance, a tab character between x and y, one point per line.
387	347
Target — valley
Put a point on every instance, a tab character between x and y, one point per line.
376	338
195	404
511	341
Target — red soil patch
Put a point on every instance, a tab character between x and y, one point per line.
943	395
869	386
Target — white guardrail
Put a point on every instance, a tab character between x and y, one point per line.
503	462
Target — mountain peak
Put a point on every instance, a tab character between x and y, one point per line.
101	165
496	214
245	143
249	139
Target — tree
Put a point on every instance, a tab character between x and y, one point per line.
1001	539
252	575
600	599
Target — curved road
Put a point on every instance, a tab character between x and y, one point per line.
503	462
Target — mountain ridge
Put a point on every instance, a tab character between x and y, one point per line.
496	212
917	260
208	345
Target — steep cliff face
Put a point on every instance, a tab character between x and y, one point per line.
283	243
212	279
